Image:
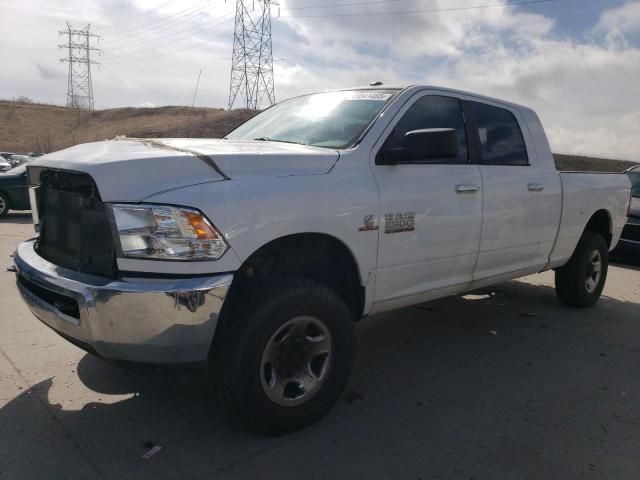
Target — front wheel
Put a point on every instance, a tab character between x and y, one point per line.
579	283
287	357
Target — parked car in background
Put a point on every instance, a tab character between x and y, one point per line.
14	193
6	155
628	248
4	166
16	160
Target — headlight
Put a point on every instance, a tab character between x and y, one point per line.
167	233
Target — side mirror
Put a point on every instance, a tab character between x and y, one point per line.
431	144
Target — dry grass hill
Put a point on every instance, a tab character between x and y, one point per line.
591	164
32	127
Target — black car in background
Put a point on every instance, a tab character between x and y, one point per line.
628	248
14	192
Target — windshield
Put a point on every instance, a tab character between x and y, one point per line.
331	119
635	183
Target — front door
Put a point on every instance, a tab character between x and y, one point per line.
431	210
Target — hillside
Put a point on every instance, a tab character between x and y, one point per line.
32	127
29	127
591	164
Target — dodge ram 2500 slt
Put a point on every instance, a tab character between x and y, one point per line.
258	252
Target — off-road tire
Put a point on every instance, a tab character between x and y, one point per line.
571	286
256	315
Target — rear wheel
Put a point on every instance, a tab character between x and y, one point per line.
4	204
286	358
579	283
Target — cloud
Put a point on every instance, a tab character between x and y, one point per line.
582	83
620	20
586	91
47	73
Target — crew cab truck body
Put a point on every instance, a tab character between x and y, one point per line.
258	252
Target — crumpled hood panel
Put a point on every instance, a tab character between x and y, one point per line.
253	159
133	169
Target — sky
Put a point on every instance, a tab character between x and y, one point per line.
576	62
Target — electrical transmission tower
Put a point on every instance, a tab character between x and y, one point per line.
252	60
79	84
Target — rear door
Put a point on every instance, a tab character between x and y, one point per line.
431	210
513	189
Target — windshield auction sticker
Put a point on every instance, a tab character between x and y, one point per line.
375	96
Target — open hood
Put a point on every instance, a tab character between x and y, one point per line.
133	169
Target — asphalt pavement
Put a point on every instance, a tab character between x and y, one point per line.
504	383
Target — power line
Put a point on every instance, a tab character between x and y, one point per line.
347	4
144	57
252	60
139	56
127	77
190	31
165	54
158	25
153	40
133	17
145	79
409	12
175	36
335	5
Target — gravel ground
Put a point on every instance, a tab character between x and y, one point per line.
499	384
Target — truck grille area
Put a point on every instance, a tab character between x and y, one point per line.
75	231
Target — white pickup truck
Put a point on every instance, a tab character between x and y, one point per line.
258	252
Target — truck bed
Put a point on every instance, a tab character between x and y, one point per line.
583	194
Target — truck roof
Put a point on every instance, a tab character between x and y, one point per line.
435	87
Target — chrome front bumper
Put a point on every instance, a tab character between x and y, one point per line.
150	320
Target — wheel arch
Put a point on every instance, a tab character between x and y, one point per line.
317	256
5	193
600	222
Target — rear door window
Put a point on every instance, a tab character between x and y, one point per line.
501	140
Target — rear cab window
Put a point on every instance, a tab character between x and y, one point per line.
499	135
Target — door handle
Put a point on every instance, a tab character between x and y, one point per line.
535	187
467	188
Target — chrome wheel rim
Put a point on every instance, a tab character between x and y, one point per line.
594	271
296	361
3	205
